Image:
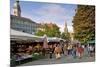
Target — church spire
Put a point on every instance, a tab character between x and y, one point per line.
16	8
66	29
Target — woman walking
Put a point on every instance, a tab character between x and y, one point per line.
58	51
80	51
74	51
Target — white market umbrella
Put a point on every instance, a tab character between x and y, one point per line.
45	42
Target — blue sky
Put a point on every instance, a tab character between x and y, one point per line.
48	12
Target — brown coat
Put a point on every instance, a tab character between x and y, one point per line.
57	50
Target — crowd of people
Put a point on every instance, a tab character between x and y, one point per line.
74	50
58	50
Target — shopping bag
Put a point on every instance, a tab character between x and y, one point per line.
58	56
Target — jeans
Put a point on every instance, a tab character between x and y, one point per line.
74	53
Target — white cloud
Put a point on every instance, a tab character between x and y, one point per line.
70	28
51	12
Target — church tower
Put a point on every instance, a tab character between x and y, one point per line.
16	9
66	29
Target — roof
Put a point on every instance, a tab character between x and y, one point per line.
54	39
18	35
92	41
23	18
21	35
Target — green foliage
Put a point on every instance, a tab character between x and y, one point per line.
84	23
65	36
40	33
49	31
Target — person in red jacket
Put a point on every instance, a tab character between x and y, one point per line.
80	51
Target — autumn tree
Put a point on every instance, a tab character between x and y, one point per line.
84	23
50	29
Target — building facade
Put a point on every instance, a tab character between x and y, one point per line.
23	24
20	23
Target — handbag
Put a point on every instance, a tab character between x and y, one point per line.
58	55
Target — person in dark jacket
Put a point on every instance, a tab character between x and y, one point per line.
50	51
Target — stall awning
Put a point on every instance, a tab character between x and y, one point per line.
18	35
92	41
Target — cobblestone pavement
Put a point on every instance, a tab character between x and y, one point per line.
63	59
